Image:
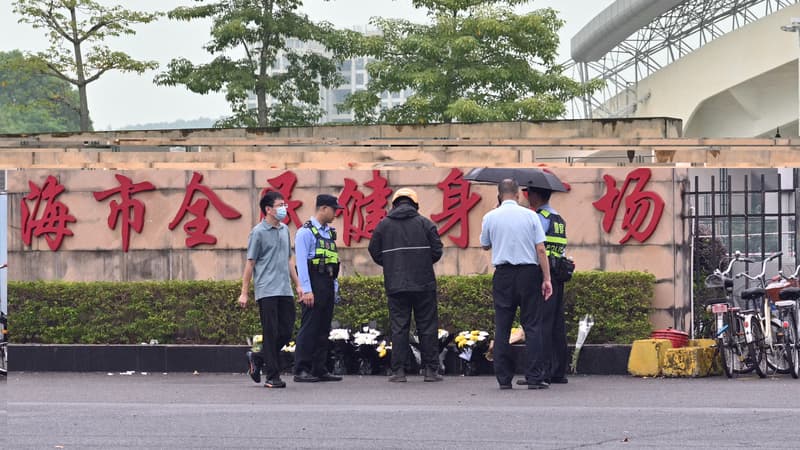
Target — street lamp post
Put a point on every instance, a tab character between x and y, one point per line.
794	27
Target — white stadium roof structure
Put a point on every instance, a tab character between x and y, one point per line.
723	66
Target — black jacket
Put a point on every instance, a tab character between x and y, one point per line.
407	245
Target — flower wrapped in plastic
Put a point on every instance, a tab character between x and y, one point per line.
471	346
366	344
517	336
256	343
445	338
286	357
341	355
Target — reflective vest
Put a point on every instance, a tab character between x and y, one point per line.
325	250
555	241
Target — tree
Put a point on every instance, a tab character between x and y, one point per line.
262	32
77	30
477	61
31	102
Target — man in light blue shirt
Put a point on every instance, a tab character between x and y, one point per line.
317	268
521	280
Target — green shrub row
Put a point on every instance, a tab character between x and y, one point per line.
206	312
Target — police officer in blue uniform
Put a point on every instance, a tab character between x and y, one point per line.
318	268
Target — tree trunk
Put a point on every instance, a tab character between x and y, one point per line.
261	92
79	73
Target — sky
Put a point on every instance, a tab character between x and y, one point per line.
117	100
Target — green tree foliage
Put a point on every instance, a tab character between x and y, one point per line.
477	61
248	38
31	102
77	30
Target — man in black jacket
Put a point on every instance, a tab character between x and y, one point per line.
407	245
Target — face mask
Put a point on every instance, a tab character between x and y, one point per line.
280	213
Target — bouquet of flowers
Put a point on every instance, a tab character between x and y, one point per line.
341	354
444	340
517	336
366	344
287	356
255	343
470	344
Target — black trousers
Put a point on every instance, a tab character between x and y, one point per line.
518	287
423	304
311	350
556	329
277	323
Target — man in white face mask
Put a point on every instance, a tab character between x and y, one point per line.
269	262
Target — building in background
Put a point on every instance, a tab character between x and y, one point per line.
356	78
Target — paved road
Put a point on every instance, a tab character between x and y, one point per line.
47	411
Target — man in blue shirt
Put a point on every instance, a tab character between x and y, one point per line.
317	268
521	280
269	263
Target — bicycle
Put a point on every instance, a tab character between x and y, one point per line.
765	337
733	337
789	316
3	344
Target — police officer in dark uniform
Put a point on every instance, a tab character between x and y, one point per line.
555	245
318	268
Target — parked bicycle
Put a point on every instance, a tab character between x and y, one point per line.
788	312
766	335
734	339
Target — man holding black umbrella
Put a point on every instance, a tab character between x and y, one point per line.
521	280
555	332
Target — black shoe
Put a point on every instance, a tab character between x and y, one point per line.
558	380
505	386
305	377
253	369
538	385
398	377
275	382
432	375
327	376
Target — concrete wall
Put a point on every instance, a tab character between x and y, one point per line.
94	252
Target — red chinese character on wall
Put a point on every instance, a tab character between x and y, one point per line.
284	184
131	211
363	212
54	220
457	201
639	206
196	228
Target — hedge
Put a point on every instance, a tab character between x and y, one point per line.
206	312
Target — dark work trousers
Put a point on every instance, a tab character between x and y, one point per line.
311	351
554	318
423	305
277	323
518	287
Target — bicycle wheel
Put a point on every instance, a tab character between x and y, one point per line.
792	343
757	350
726	351
3	359
778	352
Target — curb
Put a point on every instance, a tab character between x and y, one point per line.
594	359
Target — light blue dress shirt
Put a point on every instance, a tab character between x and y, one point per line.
512	231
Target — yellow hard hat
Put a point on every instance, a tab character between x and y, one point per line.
406	192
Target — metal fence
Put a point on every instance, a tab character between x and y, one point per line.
754	212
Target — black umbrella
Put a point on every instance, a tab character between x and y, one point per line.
525	177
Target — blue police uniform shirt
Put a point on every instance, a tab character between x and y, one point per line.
512	231
305	245
546	220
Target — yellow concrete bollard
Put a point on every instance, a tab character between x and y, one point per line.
648	357
688	362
